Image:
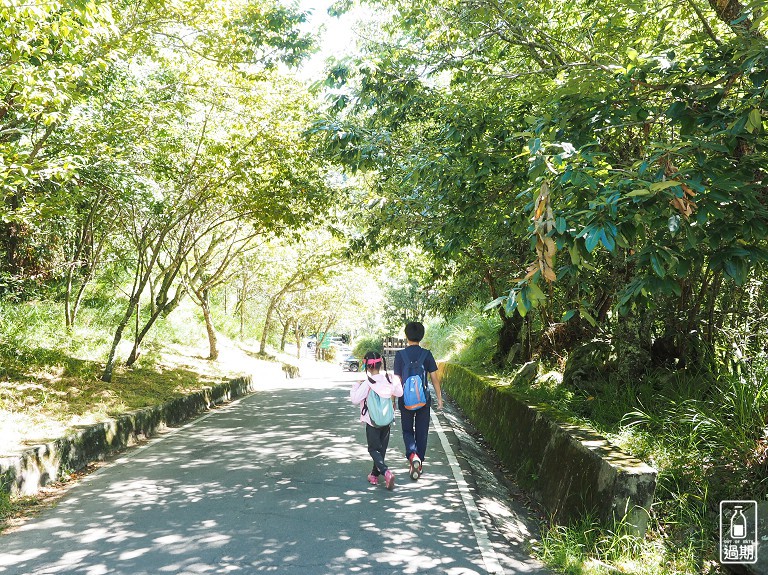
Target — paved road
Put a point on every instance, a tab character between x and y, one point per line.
276	483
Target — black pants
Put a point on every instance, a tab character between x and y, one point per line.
378	440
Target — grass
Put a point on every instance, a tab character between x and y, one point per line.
705	435
706	443
50	378
468	339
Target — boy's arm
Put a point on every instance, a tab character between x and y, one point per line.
436	383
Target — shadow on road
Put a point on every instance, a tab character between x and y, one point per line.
275	482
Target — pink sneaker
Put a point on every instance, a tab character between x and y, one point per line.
389	479
373	480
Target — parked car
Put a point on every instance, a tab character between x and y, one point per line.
350	363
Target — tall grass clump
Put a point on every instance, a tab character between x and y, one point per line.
720	425
588	548
468	338
29	324
706	436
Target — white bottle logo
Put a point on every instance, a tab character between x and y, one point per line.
738	524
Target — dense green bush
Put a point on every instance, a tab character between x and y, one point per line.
366	343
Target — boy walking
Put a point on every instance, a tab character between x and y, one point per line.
415	422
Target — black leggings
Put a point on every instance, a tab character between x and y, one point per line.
378	440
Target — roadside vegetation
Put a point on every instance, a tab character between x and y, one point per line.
705	435
50	382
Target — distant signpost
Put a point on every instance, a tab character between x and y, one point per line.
391	346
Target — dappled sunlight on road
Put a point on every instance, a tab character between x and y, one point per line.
273	483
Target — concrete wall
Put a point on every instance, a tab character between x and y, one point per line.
570	468
40	465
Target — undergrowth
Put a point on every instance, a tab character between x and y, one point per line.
706	436
50	377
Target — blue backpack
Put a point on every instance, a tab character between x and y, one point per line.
379	409
415	393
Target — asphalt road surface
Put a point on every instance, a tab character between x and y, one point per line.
276	483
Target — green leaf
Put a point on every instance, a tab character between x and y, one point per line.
534	145
655	187
511	304
495	303
675	110
535	294
737	269
640	192
657	267
522	304
607	240
575	255
591	240
587	316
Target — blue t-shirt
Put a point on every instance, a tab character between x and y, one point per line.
412	353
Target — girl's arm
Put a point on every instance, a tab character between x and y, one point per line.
397	386
359	392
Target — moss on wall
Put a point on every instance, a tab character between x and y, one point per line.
571	469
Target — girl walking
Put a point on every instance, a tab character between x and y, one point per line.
377	437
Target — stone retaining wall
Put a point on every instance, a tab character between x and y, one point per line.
26	473
570	468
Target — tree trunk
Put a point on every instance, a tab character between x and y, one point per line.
110	367
268	321
69	318
140	337
157	311
90	251
213	342
284	336
297	332
140	282
509	335
729	11
75	306
243	292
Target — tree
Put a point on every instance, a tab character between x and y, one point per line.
299	267
213	154
544	155
53	57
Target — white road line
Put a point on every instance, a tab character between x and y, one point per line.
492	565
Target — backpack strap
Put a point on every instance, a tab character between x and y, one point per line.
422	357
